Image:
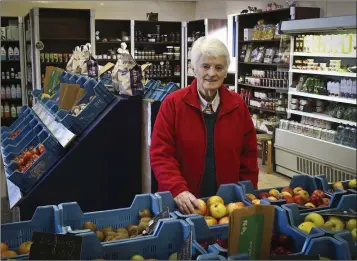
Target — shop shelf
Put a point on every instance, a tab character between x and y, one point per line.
168	238
293	91
43	220
278	89
334	55
53	152
72	217
328	73
229	193
328	247
306	182
323	184
346	236
295	217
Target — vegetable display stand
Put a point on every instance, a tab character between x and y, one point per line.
101	168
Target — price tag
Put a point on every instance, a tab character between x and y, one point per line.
48	246
155	220
185	252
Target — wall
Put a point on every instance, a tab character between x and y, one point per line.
168	11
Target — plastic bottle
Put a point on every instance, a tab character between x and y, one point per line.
18	91
3	53
13	111
6	110
339	134
13	91
12	73
3	93
16	53
10	53
8	92
18	110
346	136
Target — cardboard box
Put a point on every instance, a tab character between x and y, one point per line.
250	231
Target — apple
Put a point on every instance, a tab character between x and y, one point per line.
275	193
137	257
297	189
310	205
326	201
210	221
334	224
250	196
24	248
284	240
203	208
289	199
315	218
8	253
4	247
299	200
337	185
218	210
224	220
304	194
285	193
173	256
204	244
214	200
319	193
351	224
279	250
222	242
263	195
306	226
352	184
354	234
288	252
316	199
272	198
289	190
256	201
240	204
233	206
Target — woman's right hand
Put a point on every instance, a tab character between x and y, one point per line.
187	202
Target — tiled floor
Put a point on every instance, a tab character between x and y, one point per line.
271	180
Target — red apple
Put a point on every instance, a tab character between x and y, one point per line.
288	252
203	208
285	241
222	242
316	199
279	250
288	189
204	244
319	193
263	195
299	200
289	199
224	220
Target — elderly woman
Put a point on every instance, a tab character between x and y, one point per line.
203	135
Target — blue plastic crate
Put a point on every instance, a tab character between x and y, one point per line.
18	124
43	220
295	217
229	192
156	91
168	238
328	247
346	236
72	217
53	152
323	184
304	181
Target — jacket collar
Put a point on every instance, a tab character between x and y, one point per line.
227	100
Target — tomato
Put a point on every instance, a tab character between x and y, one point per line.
35	157
21	162
41	148
27	156
35	152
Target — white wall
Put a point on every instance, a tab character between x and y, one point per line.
136	10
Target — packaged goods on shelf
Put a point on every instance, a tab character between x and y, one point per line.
266	78
332	66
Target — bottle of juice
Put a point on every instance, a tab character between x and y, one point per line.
13	111
6	110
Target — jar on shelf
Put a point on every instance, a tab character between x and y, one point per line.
170	56
177	56
169	49
177	49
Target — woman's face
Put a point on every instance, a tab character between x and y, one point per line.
210	72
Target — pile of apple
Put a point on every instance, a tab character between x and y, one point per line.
215	211
352	184
280	245
23	249
333	224
111	234
296	195
220	241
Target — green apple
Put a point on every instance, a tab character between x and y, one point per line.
351	224
137	257
306	226
315	218
173	256
337	185
354	234
352	184
334	224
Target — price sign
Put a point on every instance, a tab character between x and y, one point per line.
48	246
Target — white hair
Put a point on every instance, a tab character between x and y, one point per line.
205	46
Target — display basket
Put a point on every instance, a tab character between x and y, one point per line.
304	181
21	122
346	236
155	91
168	238
229	192
323	184
328	247
53	152
295	217
43	220
73	218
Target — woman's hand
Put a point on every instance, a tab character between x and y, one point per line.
187	202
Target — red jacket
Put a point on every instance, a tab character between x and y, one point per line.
178	144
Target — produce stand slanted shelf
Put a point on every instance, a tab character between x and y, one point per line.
315	140
13	95
94	165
